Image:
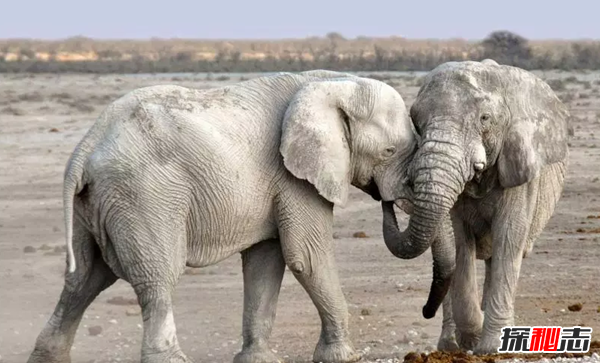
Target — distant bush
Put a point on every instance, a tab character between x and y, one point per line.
25	53
507	48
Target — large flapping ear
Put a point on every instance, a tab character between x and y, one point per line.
315	140
538	129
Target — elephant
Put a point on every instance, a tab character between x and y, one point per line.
169	177
486	178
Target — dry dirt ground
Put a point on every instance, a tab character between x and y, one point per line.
42	117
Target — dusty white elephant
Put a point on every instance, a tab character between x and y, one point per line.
170	177
492	156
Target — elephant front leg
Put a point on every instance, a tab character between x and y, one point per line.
466	309
447	341
509	241
263	268
307	243
318	276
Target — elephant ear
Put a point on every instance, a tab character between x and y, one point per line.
538	131
315	137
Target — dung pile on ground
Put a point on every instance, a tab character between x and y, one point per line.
462	357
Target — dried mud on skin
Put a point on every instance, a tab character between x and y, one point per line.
462	357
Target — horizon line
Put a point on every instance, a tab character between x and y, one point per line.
309	37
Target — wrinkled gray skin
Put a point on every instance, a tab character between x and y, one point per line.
170	177
486	177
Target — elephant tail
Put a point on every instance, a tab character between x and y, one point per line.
75	180
75	177
74	183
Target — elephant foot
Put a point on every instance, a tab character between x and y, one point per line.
170	356
44	356
447	342
487	345
467	340
256	355
339	352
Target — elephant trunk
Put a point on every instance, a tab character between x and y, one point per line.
436	189
444	257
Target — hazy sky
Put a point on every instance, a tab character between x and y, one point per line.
225	19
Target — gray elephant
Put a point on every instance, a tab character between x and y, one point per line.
486	178
170	177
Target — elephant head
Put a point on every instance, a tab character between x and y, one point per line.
341	130
479	123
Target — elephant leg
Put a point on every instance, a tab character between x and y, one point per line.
486	283
510	231
153	262
263	268
319	278
466	308
447	341
306	235
91	277
160	344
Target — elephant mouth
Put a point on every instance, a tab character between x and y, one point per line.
478	175
372	189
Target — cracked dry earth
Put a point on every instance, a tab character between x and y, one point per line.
42	117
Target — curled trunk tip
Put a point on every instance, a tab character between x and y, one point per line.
437	293
404	245
443	251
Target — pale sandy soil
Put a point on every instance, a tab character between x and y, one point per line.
42	117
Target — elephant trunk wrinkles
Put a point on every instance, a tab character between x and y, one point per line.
435	192
436	188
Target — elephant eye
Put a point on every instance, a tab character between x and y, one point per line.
486	117
389	151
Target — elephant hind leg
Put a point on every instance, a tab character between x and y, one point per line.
263	267
91	277
151	255
486	283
